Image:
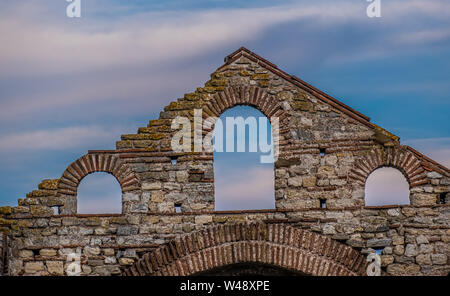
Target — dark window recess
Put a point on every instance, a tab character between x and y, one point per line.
55	210
173	160
3	254
378	250
177	208
323	203
322	151
442	198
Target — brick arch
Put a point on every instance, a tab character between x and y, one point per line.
91	163
396	157
276	244
251	96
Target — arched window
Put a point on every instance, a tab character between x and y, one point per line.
99	193
243	165
386	186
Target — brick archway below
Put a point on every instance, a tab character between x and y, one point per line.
278	245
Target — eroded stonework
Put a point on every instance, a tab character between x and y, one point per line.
326	152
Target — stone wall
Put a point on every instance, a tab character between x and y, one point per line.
2	253
326	152
414	239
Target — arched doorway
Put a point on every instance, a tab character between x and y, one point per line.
250	269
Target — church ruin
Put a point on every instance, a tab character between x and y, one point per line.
320	225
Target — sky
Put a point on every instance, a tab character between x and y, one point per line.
68	85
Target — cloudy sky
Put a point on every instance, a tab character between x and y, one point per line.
72	84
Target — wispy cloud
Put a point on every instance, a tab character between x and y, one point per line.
58	139
437	149
99	193
386	186
144	37
243	188
57	46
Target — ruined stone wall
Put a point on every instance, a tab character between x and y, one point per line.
2	253
326	152
415	240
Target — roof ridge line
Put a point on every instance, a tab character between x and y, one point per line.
293	79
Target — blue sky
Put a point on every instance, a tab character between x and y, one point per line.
69	85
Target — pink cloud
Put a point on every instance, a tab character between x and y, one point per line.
245	189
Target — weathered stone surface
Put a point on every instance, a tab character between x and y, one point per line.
329	229
26	254
398	240
295	181
5	210
55	267
151	186
371	243
439	259
411	250
205	219
33	267
127	230
41	211
47	252
49	184
422	239
309	181
126	261
386	260
91	251
423	199
423	259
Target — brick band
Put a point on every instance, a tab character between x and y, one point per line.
92	163
396	157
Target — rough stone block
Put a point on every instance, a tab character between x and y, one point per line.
55	267
33	267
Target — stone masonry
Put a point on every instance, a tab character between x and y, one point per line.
326	152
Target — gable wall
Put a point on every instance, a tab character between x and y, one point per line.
416	236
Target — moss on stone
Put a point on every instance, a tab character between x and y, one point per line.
118	220
93	221
24	223
6	221
379	130
146	130
123	144
40	193
41	211
158	122
135	137
301	96
156	136
260	76
48	184
263	83
5	210
212	89
55	201
244	73
217	82
20	210
191	96
302	105
142	143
